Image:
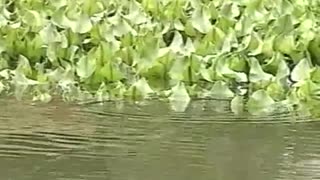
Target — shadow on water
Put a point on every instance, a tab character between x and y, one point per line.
121	141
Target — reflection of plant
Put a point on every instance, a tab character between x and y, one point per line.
179	48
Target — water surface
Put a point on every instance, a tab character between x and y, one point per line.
123	141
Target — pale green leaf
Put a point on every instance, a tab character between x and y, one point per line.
256	73
177	44
81	25
301	71
285	44
86	67
224	69
49	34
200	20
111	72
33	18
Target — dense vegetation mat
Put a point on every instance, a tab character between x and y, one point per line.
257	53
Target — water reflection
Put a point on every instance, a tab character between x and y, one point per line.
136	142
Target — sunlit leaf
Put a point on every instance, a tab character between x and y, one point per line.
177	44
301	71
81	25
200	20
33	18
86	67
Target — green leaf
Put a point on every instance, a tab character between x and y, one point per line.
285	44
260	103
111	72
315	75
256	73
276	91
267	46
284	24
86	67
179	98
224	69
253	44
301	71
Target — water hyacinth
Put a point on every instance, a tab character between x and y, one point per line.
177	49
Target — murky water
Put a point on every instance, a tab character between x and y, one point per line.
143	142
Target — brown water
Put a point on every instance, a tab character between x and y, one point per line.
134	142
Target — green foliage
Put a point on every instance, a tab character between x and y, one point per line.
177	49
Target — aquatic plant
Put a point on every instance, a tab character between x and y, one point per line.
257	53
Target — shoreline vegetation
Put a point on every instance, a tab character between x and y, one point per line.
262	55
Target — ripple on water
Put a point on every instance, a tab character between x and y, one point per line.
150	141
204	111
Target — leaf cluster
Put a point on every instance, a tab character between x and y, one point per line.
256	52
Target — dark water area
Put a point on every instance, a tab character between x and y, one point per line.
122	141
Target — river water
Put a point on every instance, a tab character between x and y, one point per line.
122	141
